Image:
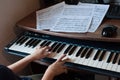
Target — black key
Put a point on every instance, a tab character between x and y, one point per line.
47	44
68	48
72	50
110	57
60	48
56	47
102	55
115	58
52	46
35	43
84	52
23	40
79	52
43	43
17	42
32	42
27	43
119	62
97	54
89	53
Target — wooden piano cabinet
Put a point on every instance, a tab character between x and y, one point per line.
29	23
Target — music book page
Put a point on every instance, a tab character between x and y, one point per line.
72	24
74	19
47	17
79	18
98	15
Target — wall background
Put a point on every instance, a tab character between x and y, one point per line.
12	11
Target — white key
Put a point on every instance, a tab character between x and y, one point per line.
67	54
109	66
51	44
91	61
73	57
83	59
96	61
21	48
61	53
80	60
77	57
53	53
114	67
104	60
104	65
88	59
38	45
58	55
118	69
30	49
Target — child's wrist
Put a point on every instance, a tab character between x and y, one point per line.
31	58
48	76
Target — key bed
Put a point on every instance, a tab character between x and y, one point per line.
93	56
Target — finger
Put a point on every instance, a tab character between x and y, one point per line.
60	59
48	53
46	47
38	47
65	60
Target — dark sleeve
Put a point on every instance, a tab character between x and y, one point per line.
7	74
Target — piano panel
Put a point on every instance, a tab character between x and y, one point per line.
95	56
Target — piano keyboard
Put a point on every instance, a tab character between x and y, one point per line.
80	54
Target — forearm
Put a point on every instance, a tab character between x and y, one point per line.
21	64
47	76
37	54
49	73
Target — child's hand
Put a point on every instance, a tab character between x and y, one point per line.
57	67
40	53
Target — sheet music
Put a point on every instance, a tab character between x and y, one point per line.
47	17
72	24
79	18
74	19
98	15
77	10
46	23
